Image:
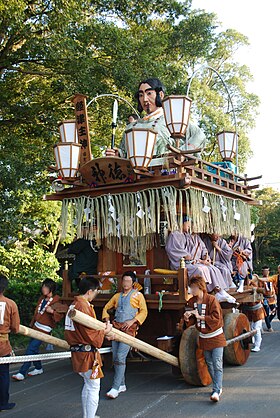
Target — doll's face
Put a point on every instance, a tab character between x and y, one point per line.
147	98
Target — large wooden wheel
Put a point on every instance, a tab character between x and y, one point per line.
234	325
192	362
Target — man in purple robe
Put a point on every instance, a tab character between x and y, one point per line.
192	249
220	253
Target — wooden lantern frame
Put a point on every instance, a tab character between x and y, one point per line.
73	168
63	131
131	154
224	150
170	119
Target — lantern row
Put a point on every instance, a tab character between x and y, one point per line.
140	142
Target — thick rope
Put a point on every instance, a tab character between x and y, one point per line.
48	356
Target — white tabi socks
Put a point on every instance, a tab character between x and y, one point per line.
223	296
241	286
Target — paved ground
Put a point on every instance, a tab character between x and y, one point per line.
252	390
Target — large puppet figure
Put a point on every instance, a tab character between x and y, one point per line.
149	97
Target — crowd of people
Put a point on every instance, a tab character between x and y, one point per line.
130	311
214	267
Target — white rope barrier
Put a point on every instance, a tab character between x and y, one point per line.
48	356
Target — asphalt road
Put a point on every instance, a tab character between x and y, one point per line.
252	390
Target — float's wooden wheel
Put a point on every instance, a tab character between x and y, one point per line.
234	325
192	362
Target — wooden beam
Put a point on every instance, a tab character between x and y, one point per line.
43	337
80	104
120	336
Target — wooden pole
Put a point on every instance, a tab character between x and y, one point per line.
80	104
214	256
43	337
183	284
120	336
242	337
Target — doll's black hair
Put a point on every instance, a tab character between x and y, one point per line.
156	85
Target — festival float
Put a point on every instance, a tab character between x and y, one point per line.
130	205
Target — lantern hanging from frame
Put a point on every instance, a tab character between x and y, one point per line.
140	144
68	131
227	141
177	113
67	157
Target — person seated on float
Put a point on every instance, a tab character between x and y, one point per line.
132	118
220	253
187	245
149	96
242	259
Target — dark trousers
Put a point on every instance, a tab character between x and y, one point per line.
33	348
4	384
278	307
269	315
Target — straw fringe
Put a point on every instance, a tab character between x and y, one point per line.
125	232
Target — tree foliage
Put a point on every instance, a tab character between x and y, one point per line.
50	49
267	219
26	267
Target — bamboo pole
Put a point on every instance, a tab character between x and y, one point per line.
43	337
214	256
242	337
120	336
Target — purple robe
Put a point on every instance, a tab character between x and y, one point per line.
245	245
182	244
222	259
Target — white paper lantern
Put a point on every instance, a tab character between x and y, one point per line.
68	131
67	157
227	142
140	145
176	113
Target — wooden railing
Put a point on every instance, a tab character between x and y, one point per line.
207	173
175	290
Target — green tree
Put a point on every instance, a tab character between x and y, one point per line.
26	268
267	219
50	49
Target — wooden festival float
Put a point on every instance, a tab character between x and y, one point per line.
130	205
